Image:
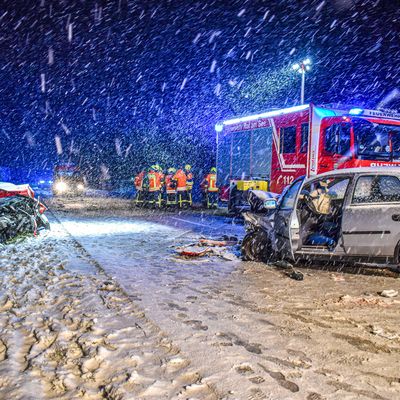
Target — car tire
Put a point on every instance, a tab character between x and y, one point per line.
396	257
256	246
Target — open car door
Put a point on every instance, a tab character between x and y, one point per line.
286	221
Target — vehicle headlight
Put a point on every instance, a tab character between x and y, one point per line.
61	186
80	186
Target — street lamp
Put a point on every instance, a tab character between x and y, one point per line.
302	68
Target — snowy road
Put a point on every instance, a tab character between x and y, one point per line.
250	331
246	330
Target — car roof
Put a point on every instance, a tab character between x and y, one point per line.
361	170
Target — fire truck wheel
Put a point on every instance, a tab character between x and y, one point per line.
256	247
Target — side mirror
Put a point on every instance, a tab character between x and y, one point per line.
270	204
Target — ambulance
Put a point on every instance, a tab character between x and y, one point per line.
268	151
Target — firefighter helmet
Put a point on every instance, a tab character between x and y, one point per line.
188	167
171	170
213	170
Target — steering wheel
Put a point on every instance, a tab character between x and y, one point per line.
308	201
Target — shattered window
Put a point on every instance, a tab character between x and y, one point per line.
389	187
377	189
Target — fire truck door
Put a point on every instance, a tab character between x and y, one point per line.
286	221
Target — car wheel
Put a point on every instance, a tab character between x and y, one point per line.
397	256
256	246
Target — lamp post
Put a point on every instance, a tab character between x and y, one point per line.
302	68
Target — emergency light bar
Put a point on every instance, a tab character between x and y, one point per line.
267	114
356	111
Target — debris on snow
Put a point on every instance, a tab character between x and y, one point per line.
296	275
223	248
193	251
337	278
219	243
389	293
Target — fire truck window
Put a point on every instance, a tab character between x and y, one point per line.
224	157
261	144
304	138
344	140
288	140
337	139
241	154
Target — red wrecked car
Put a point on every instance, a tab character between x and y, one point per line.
20	212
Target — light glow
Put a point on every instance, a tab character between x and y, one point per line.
61	187
80	186
219	127
267	114
356	111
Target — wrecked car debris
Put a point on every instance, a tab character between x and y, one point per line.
20	212
212	247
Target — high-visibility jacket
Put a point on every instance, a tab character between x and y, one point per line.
139	180
155	180
170	184
181	179
211	183
189	180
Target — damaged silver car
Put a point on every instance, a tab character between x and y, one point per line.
350	215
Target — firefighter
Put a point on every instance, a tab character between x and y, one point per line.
210	189
189	184
181	187
156	181
170	188
140	193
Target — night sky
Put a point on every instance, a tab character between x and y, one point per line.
119	84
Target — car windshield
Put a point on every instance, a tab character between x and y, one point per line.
376	141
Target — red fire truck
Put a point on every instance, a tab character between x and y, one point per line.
268	151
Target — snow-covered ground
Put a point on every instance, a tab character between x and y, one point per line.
214	328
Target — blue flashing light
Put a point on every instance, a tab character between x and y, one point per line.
219	127
356	111
324	112
268	114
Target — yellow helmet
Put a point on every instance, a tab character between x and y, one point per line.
213	169
171	170
153	167
188	167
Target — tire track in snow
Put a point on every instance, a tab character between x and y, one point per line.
190	380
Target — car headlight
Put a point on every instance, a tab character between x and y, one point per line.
80	186
61	186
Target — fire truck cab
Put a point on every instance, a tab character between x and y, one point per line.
68	180
269	151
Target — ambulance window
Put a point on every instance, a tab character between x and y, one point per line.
337	139
288	140
304	138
